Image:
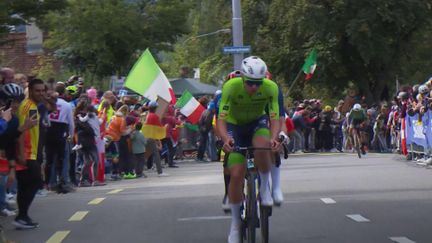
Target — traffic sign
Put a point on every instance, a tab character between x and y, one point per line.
236	49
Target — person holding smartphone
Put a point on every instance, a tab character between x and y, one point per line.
11	96
30	179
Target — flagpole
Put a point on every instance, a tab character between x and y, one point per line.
294	82
397	84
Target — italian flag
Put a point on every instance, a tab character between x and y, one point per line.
190	107
310	64
147	79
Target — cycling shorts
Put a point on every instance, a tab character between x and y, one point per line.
243	136
356	123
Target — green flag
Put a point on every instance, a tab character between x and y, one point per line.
148	80
310	64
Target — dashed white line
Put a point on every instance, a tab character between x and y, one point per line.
58	236
358	218
115	191
78	216
328	200
96	201
204	218
401	239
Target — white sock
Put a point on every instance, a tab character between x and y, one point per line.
264	187
235	215
275	174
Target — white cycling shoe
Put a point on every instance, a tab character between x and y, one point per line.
266	199
278	197
234	236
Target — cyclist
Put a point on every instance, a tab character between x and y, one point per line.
275	170
356	117
242	122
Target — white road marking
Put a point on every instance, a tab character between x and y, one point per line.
78	216
401	239
96	201
115	191
328	200
358	218
58	236
204	218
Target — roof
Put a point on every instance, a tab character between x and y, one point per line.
194	86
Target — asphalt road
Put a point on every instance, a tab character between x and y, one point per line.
328	198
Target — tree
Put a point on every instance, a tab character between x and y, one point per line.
106	37
13	13
206	16
364	41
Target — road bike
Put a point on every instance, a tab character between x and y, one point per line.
253	214
356	141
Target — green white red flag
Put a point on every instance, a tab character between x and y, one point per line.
190	107
147	79
310	64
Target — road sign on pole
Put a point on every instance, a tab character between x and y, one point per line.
236	49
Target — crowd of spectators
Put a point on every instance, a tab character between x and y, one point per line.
72	136
317	127
76	136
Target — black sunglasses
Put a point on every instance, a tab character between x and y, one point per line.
253	83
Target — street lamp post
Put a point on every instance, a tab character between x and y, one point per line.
237	30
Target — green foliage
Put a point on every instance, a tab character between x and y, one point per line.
17	12
205	53
106	37
364	41
367	42
45	67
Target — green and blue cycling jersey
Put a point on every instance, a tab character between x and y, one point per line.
239	108
216	102
357	117
245	114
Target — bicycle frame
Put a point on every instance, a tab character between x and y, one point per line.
253	216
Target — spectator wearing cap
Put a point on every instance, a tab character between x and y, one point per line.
153	130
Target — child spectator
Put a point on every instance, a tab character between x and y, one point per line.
138	150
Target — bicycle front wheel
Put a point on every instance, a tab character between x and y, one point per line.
251	209
357	143
264	220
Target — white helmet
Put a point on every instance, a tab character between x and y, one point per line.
357	107
423	89
254	68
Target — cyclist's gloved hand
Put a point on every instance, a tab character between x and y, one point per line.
228	145
275	145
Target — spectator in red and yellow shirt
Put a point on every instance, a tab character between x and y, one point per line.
30	179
